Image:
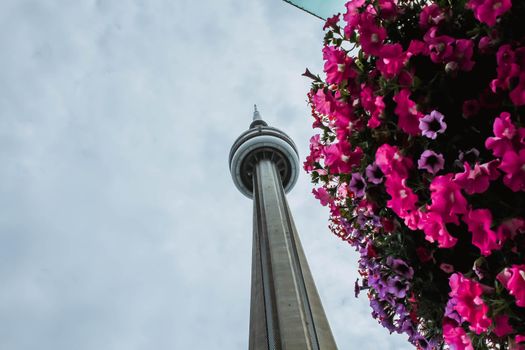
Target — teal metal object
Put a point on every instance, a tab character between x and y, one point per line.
322	9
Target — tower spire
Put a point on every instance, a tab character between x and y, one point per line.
257	119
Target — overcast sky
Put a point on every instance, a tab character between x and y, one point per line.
120	227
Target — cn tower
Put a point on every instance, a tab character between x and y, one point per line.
286	312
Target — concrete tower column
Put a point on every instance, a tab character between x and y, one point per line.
286	312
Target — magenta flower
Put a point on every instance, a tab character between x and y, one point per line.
403	198
455	336
406	110
357	185
390	161
323	102
447	200
463	50
352	15
479	222
507	137
371	36
513	279
338	65
502	327
432	124
432	224
430	16
374	174
391	60
322	195
517	95
513	165
340	158
469	303
431	162
331	22
440	47
477	180
487	11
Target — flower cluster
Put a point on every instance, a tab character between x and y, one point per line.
420	157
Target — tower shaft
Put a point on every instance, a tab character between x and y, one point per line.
286	311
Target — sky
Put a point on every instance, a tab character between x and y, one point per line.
120	226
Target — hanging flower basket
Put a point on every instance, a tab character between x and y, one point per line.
420	157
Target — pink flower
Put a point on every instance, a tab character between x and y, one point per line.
477	180
331	22
519	342
315	153
507	137
502	327
352	15
323	102
487	11
371	36
390	161
463	51
340	158
517	95
388	8
432	225
322	194
479	222
374	105
513	279
507	68
391	60
407	112
338	65
440	47
469	303
403	198
513	165
431	15
447	199
455	336
431	162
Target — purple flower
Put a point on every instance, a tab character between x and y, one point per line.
357	185
451	312
432	124
431	162
374	174
400	267
397	287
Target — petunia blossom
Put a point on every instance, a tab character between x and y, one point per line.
479	222
455	336
433	226
322	195
469	303
477	179
374	174
357	185
406	111
432	124
340	158
513	165
513	279
338	65
447	199
431	162
390	161
487	11
506	136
